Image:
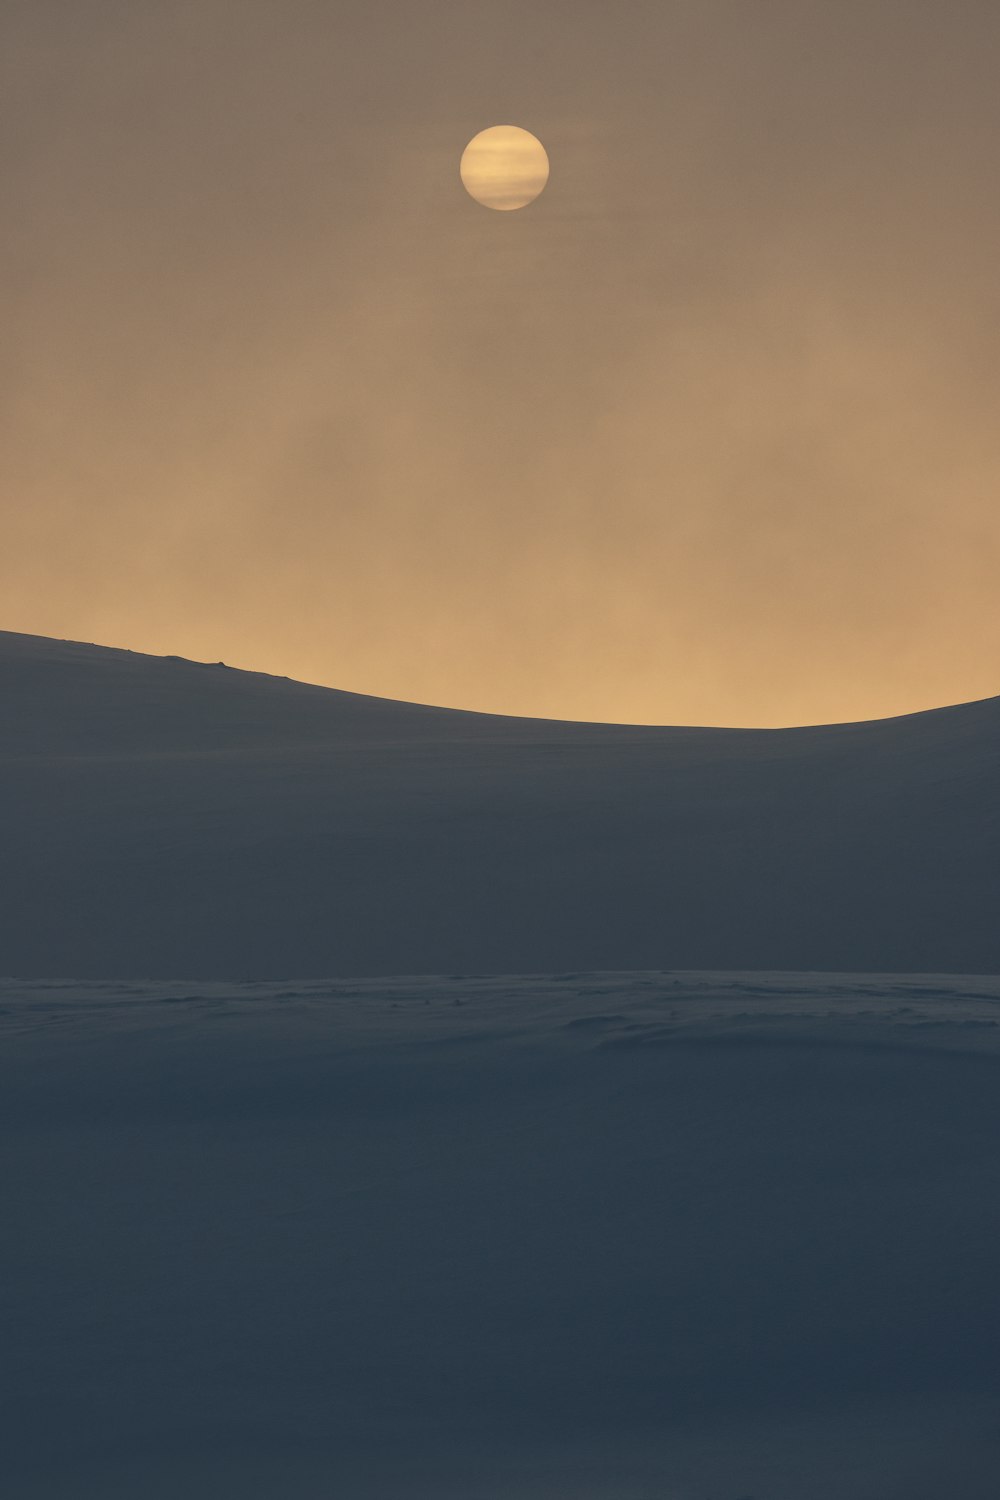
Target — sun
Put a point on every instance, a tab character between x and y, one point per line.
505	167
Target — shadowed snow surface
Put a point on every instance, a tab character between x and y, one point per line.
649	1236
166	818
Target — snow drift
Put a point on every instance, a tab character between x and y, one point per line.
167	818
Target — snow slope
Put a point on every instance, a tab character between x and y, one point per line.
595	1237
167	818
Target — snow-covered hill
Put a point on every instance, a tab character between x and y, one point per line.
166	818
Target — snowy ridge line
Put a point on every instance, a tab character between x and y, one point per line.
595	1011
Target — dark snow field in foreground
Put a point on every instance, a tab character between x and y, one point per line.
649	1236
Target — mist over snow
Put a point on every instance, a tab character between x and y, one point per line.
402	1102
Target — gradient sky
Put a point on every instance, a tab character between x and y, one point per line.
710	433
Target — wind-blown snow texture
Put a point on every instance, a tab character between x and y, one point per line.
166	818
595	1237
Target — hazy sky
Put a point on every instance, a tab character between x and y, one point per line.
709	433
